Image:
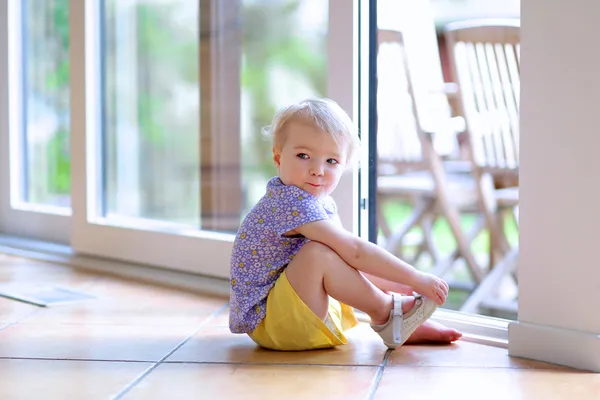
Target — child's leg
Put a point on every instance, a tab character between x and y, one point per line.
388	286
317	272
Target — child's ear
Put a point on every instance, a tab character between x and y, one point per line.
276	157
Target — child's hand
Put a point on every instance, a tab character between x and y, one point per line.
433	287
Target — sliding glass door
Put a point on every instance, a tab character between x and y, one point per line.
151	114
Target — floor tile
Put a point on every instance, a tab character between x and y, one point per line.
90	342
461	354
35	272
128	290
54	379
12	310
139	311
124	302
217	344
486	383
261	382
113	313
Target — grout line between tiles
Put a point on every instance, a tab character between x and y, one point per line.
140	377
478	367
279	364
9	324
6	325
379	375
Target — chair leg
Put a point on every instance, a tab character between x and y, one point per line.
427	245
420	250
495	253
489	207
491	281
395	238
463	244
441	268
381	220
498	239
427	225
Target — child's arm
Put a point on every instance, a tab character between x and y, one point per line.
373	260
381	283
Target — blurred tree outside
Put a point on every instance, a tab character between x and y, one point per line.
46	90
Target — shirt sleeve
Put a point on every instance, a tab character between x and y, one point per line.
329	205
293	207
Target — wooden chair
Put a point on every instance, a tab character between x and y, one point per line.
410	169
485	58
399	152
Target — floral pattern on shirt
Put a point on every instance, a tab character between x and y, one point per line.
261	252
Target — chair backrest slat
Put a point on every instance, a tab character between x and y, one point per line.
485	57
398	141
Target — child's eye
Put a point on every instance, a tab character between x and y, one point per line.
332	161
303	156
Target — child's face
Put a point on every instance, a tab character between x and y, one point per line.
310	160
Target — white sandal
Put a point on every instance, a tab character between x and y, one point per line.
399	327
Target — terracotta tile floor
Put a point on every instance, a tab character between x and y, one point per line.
140	341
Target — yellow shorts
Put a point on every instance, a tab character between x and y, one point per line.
291	325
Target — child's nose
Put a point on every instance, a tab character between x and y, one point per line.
316	169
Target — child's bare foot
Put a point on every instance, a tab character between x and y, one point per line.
408	302
433	332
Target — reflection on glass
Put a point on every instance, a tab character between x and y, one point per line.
186	93
45	50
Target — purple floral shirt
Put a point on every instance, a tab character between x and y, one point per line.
261	252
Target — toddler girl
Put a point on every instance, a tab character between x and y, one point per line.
296	273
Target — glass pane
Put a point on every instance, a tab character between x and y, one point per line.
45	111
186	93
150	105
284	53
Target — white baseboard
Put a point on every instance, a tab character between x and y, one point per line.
561	346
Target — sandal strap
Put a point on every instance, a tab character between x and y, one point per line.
397	321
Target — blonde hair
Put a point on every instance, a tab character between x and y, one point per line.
323	114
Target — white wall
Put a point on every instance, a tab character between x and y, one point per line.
559	263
